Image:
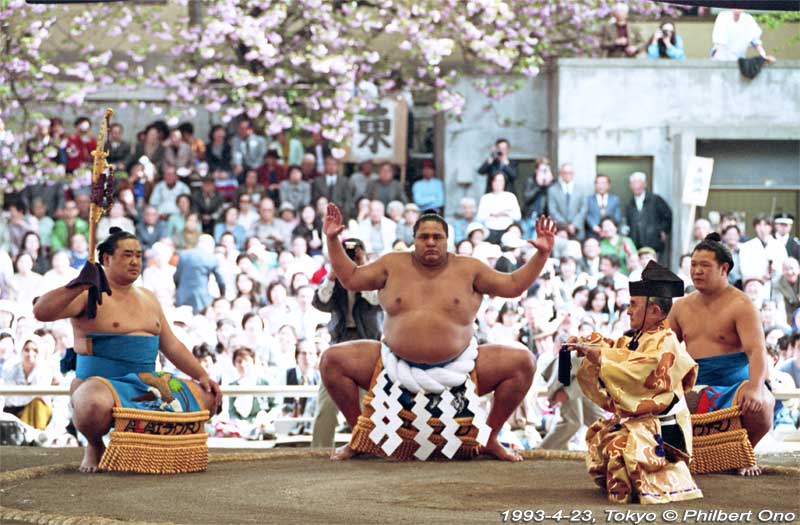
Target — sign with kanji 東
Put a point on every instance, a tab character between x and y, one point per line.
380	133
697	181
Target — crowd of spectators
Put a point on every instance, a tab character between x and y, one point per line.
232	234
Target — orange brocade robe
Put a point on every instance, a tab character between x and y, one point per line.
630	455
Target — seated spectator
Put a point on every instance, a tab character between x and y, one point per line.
33	411
305	372
405	228
176	221
377	231
386	188
196	144
506	329
32	246
597	309
786	291
150	230
116	217
17	225
141	182
158	275
666	43
610	269
464	247
476	233
226	184
281	356
152	148
251	187
394	210
290	150
309	167
208	360
309	227
286	223
230	223
271	174
218	151
467	208
247	212
428	192
249	413
208	203
295	190
165	193
612	243
61	272
361	179
45	221
191	233
302	263
498	209
119	151
177	152
25	284
78	251
618	39
755	290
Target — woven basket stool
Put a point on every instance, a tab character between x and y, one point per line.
152	442
720	442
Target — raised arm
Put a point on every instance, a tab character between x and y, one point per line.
492	282
355	278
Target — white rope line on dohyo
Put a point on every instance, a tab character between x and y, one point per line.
436	380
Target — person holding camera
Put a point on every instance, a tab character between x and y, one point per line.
498	162
354	315
666	43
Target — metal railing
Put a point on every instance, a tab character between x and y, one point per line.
276	390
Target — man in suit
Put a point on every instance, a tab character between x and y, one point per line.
119	151
565	205
150	230
354	315
191	277
600	204
336	188
320	148
386	189
648	216
305	373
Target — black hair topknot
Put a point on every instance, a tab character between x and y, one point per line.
713	244
107	247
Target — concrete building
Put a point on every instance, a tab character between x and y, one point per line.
616	116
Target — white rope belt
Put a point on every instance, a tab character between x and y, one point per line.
435	380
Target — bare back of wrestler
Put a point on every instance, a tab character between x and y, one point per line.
431	298
719	319
129	310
